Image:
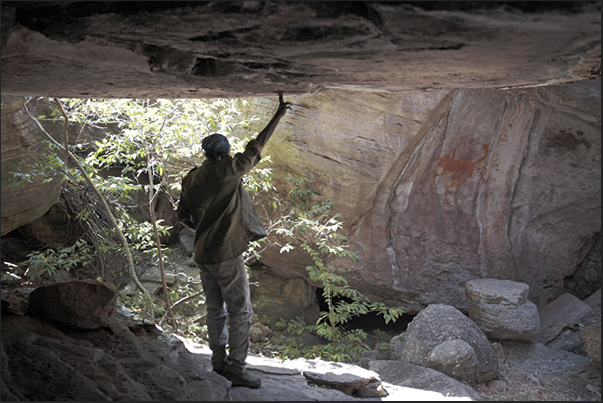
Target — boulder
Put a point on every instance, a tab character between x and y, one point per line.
258	332
414	376
440	335
187	240
568	340
501	309
590	334
397	343
81	304
594	300
453	358
562	312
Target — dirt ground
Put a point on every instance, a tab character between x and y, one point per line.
519	385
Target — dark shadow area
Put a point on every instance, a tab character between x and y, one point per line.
370	321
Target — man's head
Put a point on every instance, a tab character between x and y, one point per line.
215	146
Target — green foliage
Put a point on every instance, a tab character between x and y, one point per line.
152	308
163	138
45	263
157	134
145	305
318	228
344	347
45	166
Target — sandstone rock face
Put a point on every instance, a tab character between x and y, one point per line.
236	49
439	188
279	297
21	143
83	304
502	310
442	336
437	133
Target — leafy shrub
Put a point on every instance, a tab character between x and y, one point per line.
43	264
319	229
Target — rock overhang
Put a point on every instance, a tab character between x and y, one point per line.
253	49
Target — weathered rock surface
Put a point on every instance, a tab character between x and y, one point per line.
81	304
21	141
563	312
414	376
246	49
428	207
586	280
131	360
502	310
277	297
459	165
569	338
455	358
594	300
590	334
438	324
534	358
533	371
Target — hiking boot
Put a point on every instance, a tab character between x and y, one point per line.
219	360
219	370
245	379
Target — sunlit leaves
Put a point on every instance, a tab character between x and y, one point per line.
319	227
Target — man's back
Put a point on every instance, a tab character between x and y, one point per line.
214	195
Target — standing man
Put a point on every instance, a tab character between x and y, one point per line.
215	204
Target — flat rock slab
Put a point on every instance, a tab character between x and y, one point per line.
562	312
501	309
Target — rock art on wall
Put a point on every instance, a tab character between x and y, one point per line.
440	188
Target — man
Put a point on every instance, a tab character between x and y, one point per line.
215	204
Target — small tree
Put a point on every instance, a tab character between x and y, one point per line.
319	230
152	141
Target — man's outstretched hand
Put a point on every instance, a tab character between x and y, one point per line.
282	105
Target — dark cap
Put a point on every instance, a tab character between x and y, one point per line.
215	145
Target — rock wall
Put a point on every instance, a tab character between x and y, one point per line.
439	188
21	142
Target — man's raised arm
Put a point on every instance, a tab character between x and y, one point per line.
265	134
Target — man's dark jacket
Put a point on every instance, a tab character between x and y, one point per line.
214	197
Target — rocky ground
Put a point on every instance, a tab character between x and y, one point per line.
43	362
134	360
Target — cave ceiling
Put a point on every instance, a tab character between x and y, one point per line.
255	48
